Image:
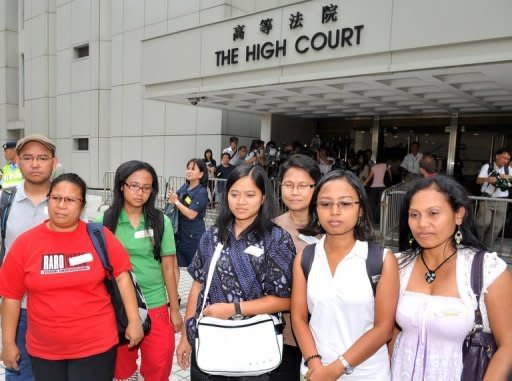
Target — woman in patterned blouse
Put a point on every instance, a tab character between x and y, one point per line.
254	268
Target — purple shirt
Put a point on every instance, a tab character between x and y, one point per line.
241	276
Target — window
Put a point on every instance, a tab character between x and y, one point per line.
81	144
81	51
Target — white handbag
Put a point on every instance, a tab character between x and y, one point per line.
236	348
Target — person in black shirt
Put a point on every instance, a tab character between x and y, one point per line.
222	172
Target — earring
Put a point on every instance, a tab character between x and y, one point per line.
411	240
458	236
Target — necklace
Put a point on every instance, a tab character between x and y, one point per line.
430	275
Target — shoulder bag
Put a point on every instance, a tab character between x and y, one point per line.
479	346
95	231
248	347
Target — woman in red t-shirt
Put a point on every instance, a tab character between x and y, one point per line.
72	332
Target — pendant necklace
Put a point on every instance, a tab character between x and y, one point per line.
430	275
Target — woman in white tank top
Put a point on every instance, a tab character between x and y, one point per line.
349	327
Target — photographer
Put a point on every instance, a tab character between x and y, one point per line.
495	180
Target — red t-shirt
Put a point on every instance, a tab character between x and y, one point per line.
70	314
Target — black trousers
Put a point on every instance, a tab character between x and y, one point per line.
289	370
98	367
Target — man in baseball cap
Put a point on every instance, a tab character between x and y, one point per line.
28	208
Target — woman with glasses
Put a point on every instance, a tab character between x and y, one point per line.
148	236
349	324
191	200
72	331
300	173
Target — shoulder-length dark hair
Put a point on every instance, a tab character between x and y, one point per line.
305	163
456	196
263	222
363	231
153	218
211	155
202	167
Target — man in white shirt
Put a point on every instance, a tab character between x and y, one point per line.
411	161
495	181
233	146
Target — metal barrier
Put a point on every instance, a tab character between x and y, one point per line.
392	199
390	202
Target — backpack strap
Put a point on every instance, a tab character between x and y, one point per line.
6	200
306	261
374	263
97	236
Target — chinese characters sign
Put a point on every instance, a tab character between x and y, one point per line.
341	37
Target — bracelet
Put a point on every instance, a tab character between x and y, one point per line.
315	356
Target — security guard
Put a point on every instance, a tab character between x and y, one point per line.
11	174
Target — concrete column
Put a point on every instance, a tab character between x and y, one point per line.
452	144
375	137
266	127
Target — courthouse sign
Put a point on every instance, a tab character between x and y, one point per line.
333	35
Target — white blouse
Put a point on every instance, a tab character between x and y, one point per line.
493	267
342	310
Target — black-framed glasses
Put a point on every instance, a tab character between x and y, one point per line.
53	198
340	204
301	187
137	187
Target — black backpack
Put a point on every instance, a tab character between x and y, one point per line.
108	221
5	207
374	262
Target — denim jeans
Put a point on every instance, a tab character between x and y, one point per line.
25	372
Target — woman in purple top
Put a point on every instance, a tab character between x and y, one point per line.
253	273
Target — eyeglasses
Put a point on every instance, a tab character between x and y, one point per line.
41	158
302	187
67	200
341	204
136	187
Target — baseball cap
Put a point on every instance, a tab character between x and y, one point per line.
41	139
9	145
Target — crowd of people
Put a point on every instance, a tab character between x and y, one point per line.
356	308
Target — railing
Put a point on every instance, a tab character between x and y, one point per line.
391	202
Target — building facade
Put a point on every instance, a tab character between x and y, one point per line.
163	80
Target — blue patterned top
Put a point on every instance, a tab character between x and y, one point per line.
239	275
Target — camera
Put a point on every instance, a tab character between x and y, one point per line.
195	100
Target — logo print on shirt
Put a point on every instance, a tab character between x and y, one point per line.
59	263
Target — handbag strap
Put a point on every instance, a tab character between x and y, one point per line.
211	270
477	270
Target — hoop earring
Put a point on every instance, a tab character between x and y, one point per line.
458	236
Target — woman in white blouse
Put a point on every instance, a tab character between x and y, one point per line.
436	308
349	326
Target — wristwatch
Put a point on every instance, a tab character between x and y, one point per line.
348	368
238	312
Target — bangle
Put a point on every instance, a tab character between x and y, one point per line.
308	359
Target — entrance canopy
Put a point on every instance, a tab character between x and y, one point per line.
318	59
467	89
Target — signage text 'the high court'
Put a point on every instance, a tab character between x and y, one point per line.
333	39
